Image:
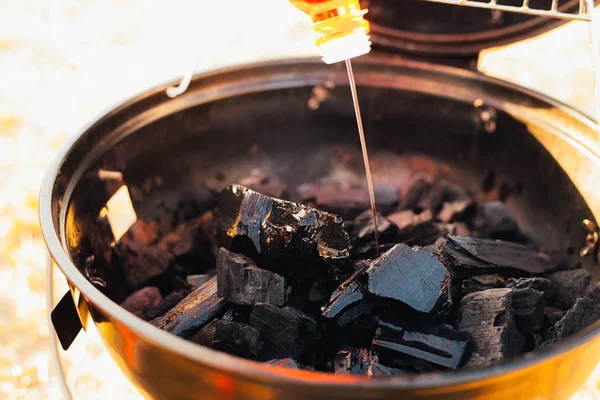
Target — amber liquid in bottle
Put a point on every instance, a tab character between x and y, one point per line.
342	33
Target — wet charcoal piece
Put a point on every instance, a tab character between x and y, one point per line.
139	302
241	282
569	286
417	190
192	313
468	253
206	335
354	361
191	245
529	306
238	339
497	222
459	210
150	263
289	363
488	317
348	201
413	277
415	228
348	304
424	344
195	281
170	301
276	228
481	282
286	332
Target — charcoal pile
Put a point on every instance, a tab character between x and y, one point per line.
302	284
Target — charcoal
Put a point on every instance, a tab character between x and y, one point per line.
150	263
468	253
241	282
482	282
237	313
416	191
424	344
378	369
170	301
139	302
347	304
191	245
458	210
363	233
193	312
195	281
276	228
442	192
289	363
569	286
537	283
238	339
286	332
348	201
488	317
414	228
496	222
528	307
354	361
411	276
206	335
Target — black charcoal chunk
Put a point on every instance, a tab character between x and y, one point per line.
206	335
488	317
348	303
537	283
170	301
458	210
363	233
193	312
354	361
150	263
139	302
413	277
238	339
289	363
195	281
471	253
482	282
553	314
241	282
425	344
528	306
286	332
415	228
277	228
497	222
569	286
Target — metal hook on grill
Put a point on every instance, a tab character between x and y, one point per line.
175	91
591	240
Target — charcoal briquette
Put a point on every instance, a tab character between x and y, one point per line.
193	312
286	332
150	263
277	228
412	277
488	317
140	301
241	282
238	339
424	344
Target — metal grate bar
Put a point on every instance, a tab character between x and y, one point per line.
583	15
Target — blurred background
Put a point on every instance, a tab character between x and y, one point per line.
65	62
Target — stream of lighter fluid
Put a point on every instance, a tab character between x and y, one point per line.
363	144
